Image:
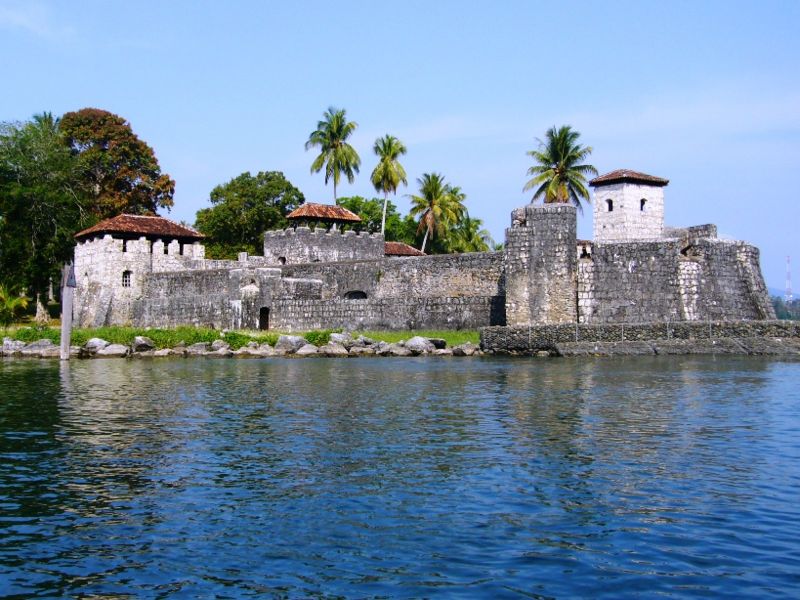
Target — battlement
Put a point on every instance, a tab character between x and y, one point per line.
304	245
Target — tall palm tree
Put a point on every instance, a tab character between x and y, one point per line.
336	155
439	206
469	236
388	173
558	172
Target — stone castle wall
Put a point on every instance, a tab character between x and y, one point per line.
305	245
627	218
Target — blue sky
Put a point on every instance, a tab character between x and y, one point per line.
706	94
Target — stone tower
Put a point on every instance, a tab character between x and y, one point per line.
540	265
628	206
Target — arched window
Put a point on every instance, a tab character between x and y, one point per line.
610	205
126	279
642	204
355	295
281	260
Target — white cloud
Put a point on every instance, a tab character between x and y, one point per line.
34	18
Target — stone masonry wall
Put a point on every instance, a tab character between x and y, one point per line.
629	220
304	245
540	263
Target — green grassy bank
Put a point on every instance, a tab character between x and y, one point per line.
169	338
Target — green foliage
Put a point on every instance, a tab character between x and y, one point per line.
321	337
558	174
31	334
243	209
439	206
453	338
388	173
336	156
786	310
121	170
11	306
370	212
43	202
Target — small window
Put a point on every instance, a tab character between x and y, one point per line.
166	248
263	318
610	205
124	245
126	279
355	295
282	260
642	204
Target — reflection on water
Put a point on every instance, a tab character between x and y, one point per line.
408	477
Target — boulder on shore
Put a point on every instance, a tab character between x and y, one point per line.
113	351
142	344
419	345
333	349
307	350
289	344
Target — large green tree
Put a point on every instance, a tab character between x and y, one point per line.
438	207
373	216
122	171
559	173
243	209
43	202
388	173
336	156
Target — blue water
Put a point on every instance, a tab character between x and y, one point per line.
400	478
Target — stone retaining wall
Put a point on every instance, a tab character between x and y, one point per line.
530	340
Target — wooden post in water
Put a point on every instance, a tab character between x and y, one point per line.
67	291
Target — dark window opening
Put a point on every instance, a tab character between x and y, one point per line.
124	245
166	248
180	249
585	252
610	205
642	204
282	260
263	318
355	295
126	279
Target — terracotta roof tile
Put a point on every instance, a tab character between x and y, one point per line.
401	249
626	175
323	212
141	225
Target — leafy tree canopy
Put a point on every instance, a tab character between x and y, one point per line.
121	170
371	212
243	209
42	203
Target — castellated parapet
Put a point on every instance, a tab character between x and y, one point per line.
305	245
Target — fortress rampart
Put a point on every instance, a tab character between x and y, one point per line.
643	274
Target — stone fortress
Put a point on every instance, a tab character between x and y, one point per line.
149	271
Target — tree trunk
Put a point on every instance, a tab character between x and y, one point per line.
425	240
42	317
383	218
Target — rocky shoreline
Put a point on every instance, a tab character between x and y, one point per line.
340	345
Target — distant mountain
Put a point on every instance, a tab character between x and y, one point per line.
776	292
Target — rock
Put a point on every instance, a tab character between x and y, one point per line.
465	349
198	348
42	344
438	343
443	352
40	348
364	341
253	345
51	352
142	344
307	350
266	350
333	349
113	351
163	352
362	351
218	345
419	345
343	339
604	349
398	350
382	348
767	346
704	346
12	346
95	344
290	343
220	353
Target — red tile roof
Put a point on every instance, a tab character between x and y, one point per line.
323	212
140	225
401	249
628	176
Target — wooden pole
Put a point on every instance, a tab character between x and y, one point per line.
67	291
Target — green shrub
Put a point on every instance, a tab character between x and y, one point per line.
31	334
320	337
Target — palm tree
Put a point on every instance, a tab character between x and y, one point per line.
388	173
559	175
336	155
11	305
468	236
439	206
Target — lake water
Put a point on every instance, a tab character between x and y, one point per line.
491	477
